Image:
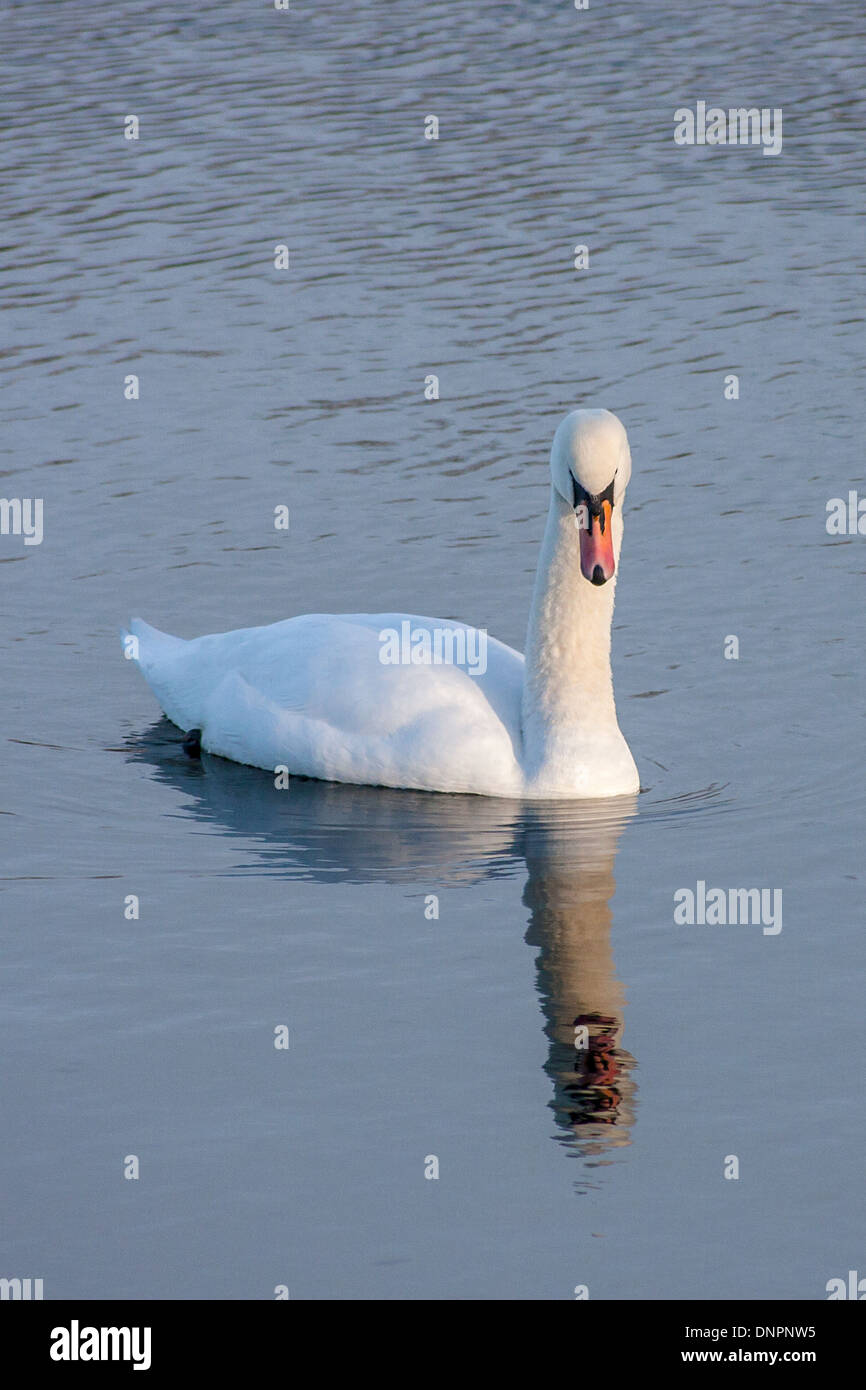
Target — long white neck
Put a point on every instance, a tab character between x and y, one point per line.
568	700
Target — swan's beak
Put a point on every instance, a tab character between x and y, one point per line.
596	543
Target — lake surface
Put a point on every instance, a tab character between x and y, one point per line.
412	1036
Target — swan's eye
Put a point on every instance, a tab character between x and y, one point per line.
593	502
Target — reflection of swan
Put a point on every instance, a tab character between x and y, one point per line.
569	889
331	833
357	698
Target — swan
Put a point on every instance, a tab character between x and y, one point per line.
332	696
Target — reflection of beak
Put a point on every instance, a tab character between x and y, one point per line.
596	543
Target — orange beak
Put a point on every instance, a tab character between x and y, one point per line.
596	545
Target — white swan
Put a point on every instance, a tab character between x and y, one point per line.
319	694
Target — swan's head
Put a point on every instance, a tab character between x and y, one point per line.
591	466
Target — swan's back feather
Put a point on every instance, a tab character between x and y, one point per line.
311	693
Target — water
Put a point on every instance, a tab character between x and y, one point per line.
412	1036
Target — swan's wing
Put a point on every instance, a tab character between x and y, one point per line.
314	693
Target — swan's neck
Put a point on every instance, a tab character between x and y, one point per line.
568	687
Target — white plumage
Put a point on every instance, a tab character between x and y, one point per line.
313	693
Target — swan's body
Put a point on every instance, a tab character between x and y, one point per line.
314	695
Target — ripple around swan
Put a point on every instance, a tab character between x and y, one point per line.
338	831
334	830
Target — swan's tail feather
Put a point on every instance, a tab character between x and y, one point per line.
158	656
153	639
